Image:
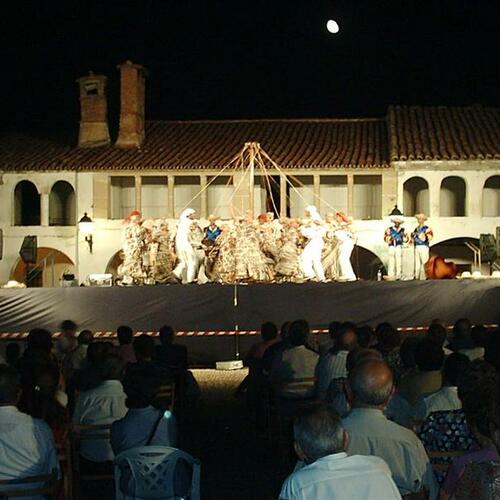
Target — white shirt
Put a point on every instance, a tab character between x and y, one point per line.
27	446
339	477
443	400
330	366
102	405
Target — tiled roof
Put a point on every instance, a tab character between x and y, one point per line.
443	133
211	144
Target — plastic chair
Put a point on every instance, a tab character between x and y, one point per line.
148	473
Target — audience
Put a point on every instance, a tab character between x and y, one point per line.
429	357
125	350
366	337
492	350
27	445
446	398
388	342
274	351
172	355
320	442
463	342
66	342
370	386
438	333
295	364
13	354
332	365
102	405
329	342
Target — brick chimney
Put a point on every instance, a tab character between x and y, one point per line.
93	111
132	96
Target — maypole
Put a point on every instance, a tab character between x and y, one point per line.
252	147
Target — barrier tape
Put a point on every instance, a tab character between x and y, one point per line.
206	333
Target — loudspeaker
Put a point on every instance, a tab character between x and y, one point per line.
1	243
488	247
28	250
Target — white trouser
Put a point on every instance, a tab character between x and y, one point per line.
345	267
421	257
187	268
311	260
395	261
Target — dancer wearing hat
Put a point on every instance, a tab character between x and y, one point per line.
345	238
395	236
421	237
314	230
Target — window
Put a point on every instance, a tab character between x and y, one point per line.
491	197
220	196
62	204
333	193
154	197
367	197
415	196
301	194
122	196
187	194
26	204
452	197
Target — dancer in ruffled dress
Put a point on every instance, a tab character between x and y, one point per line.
134	241
288	267
330	254
221	260
162	256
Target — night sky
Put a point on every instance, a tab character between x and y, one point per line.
241	59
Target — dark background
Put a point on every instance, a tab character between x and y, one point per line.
242	59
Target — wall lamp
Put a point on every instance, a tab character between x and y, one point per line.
86	226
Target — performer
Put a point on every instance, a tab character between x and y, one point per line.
345	238
186	270
134	237
395	236
268	238
212	231
288	266
162	256
421	237
221	261
330	257
196	238
314	231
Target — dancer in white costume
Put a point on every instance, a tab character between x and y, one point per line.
314	230
395	236
187	267
345	238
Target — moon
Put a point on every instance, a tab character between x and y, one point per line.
332	26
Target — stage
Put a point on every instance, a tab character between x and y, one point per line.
218	310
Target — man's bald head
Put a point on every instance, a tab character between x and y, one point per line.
371	384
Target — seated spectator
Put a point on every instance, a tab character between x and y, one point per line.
492	350
174	356
12	354
366	337
125	350
143	425
274	351
320	442
446	398
27	445
295	363
66	342
89	377
102	405
480	335
76	359
370	387
45	401
388	342
144	349
332	365
462	341
481	412
407	356
429	357
328	343
439	334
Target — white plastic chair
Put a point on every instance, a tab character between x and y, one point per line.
151	474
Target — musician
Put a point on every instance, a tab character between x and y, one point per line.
395	236
212	231
421	237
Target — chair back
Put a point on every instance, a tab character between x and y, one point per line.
45	484
480	481
148	472
441	460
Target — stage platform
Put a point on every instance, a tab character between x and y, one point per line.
218	310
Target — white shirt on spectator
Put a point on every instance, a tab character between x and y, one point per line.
330	366
99	406
341	477
445	399
27	446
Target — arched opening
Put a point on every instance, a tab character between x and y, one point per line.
416	196
454	250
114	263
26	204
62	204
365	263
452	197
48	271
491	197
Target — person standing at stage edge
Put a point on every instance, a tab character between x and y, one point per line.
186	270
395	236
421	237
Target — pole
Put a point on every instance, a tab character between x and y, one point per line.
236	326
251	170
